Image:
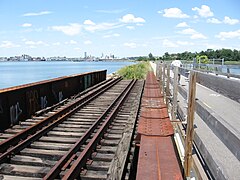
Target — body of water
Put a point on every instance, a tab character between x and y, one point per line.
18	73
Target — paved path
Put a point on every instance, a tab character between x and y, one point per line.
227	109
217	132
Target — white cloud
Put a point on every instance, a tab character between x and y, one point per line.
174	13
184	43
56	44
204	11
111	35
198	36
26	25
71	29
38	13
87	42
130	27
71	42
34	43
8	44
182	24
194	34
101	27
77	49
88	22
168	43
214	21
130	18
188	31
130	45
195	16
228	20
229	35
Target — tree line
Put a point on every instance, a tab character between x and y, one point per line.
227	54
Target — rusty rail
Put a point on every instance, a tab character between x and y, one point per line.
27	136
80	162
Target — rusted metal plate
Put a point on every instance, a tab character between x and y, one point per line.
154	113
157	159
20	102
155	103
155	127
152	93
152	86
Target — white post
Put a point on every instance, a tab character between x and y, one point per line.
175	93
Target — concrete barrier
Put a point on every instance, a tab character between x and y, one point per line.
20	102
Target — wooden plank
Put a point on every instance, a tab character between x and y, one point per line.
227	87
65	129
23	170
71	125
99	166
163	79
175	93
67	140
9	177
94	175
52	154
167	86
64	134
29	160
103	157
51	146
190	127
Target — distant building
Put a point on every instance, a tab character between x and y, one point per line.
85	55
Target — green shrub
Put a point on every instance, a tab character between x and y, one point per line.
136	71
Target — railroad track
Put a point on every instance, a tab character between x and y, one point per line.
49	111
79	138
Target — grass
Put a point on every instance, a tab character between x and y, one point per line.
136	71
231	62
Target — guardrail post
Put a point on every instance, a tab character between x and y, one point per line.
228	72
157	69
167	85
163	80
216	70
190	124
175	93
160	73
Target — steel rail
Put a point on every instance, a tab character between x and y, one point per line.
55	119
66	159
4	145
40	112
80	162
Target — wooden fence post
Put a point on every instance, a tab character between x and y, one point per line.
157	69
190	123
163	80
168	84
175	93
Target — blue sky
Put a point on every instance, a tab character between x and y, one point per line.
123	28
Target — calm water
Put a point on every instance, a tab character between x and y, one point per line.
17	73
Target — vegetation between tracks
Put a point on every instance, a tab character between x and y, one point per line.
136	71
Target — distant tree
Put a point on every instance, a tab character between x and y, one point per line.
142	58
151	58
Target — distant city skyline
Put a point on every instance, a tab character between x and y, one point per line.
123	28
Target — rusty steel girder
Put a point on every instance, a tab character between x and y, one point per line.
21	102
